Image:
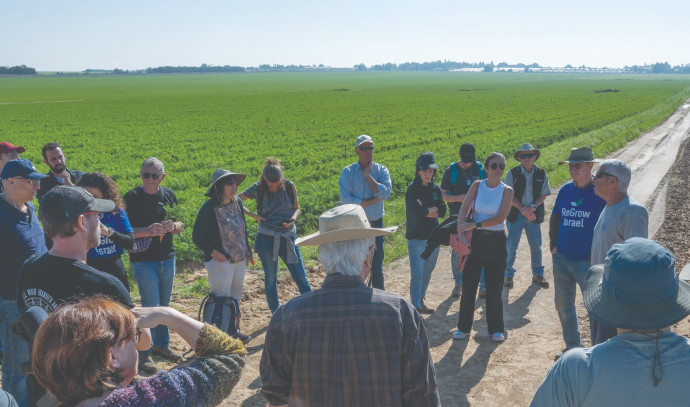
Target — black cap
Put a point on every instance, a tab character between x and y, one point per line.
426	161
468	153
63	202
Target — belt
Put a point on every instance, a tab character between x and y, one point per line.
486	232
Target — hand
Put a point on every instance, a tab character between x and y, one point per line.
149	317
157	229
105	231
463	239
433	215
464	226
526	211
532	217
259	218
64	175
218	256
367	171
169	225
288	225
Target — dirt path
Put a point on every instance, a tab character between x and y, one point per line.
479	372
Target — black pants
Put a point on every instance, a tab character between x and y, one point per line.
111	265
488	251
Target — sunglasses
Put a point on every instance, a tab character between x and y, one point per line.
528	155
500	166
366	148
148	175
33	182
229	181
600	174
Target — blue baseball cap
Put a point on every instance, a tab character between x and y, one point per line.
21	167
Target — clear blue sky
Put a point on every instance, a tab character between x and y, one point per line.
79	34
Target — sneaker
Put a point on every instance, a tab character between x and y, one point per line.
459	335
482	293
540	281
242	337
456	291
424	310
498	337
167	353
508	283
147	365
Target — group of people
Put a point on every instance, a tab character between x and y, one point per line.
345	343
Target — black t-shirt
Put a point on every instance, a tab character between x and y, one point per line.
48	281
145	209
462	184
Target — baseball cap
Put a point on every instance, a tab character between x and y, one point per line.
426	161
63	202
6	147
21	167
468	153
363	139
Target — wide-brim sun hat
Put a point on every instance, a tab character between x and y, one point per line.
219	174
580	155
637	288
526	148
344	222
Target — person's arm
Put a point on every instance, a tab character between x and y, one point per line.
123	240
347	195
635	222
145	339
383	183
500	216
202	229
440	204
554	224
465	207
295	209
188	328
415	207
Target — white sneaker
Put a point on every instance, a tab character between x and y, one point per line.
459	335
498	337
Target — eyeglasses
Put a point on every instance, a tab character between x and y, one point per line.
12	154
528	155
575	166
229	181
366	148
91	213
601	173
148	175
33	182
500	166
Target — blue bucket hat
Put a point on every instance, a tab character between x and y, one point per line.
637	288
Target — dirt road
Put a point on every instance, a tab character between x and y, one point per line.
479	372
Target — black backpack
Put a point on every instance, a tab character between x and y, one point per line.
223	312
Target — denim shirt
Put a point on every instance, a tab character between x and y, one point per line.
354	188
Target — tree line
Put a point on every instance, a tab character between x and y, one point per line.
17	70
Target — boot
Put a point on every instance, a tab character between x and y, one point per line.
425	309
239	335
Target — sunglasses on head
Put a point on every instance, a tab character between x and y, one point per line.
148	175
600	174
500	166
528	155
367	148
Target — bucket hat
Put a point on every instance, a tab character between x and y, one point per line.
637	288
526	148
219	174
344	222
426	161
580	155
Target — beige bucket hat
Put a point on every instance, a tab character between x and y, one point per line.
526	148
344	222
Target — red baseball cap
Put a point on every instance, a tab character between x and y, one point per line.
6	147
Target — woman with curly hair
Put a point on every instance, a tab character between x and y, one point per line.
117	234
277	209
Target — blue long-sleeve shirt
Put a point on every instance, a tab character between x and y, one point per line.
354	188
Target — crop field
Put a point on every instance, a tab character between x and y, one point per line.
197	123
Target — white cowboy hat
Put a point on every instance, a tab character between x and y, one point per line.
344	222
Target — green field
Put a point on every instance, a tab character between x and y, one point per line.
196	123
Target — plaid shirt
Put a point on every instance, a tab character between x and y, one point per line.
347	344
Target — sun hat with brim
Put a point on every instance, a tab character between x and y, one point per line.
580	155
637	288
219	174
20	167
344	222
685	273
526	148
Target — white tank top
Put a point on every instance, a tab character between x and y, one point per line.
487	204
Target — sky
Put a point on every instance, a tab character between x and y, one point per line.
73	35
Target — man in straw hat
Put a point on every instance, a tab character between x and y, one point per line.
622	218
347	344
531	186
637	292
571	229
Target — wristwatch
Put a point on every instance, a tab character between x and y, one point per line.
477	224
534	206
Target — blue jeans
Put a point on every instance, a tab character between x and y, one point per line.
15	352
377	261
457	274
263	246
420	270
567	272
533	232
155	281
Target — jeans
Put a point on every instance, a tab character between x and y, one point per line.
226	279
457	274
377	261
533	232
567	272
489	252
155	281
15	352
263	246
420	270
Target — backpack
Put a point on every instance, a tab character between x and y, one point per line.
223	312
454	172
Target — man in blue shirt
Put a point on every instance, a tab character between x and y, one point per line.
637	292
571	229
21	236
368	184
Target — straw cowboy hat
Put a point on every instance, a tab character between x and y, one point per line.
219	174
344	222
637	288
580	155
526	148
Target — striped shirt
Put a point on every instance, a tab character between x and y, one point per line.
347	344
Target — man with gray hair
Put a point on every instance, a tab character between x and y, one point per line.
622	218
347	344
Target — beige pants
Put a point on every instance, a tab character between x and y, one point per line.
226	279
